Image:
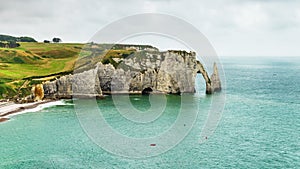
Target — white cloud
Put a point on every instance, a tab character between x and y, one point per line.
250	16
149	6
234	27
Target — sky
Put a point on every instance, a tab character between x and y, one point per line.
233	27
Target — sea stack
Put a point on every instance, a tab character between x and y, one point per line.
215	79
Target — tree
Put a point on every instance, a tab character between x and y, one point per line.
56	40
7	38
25	39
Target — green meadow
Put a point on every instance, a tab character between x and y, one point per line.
35	62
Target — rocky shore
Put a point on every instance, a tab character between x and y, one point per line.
9	108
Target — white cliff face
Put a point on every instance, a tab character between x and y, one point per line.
85	84
166	72
171	72
177	73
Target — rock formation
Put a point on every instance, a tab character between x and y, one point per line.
37	92
215	80
85	84
144	71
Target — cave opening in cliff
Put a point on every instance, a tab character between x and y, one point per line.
147	90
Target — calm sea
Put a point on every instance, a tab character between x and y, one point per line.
260	126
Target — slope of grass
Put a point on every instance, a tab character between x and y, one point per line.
37	62
34	60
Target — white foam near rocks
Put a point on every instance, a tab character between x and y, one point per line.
39	107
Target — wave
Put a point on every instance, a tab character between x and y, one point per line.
40	107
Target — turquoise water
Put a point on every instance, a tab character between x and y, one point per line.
259	127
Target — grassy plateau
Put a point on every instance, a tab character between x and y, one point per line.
33	62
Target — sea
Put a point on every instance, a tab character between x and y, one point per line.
257	125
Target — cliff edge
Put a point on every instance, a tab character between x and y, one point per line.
142	71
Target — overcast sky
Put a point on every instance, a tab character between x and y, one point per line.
234	27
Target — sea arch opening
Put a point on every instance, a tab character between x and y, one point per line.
147	91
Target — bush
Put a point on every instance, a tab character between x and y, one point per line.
13	44
25	39
18	60
56	40
8	38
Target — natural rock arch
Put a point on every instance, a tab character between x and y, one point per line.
213	83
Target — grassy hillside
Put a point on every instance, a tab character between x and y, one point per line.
37	59
19	67
34	62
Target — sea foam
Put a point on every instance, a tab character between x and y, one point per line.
40	107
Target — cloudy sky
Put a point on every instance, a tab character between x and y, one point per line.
234	27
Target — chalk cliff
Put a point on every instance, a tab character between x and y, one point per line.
144	71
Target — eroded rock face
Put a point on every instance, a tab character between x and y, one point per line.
171	72
85	84
166	72
215	79
38	92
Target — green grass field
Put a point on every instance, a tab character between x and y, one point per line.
37	59
35	62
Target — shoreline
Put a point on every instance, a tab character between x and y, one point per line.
9	108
